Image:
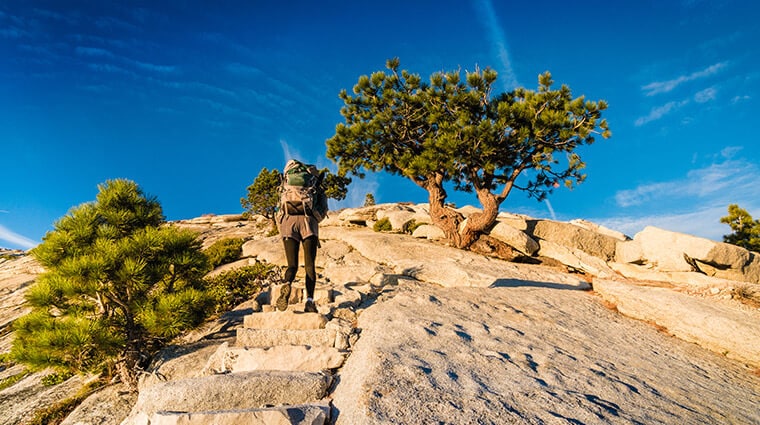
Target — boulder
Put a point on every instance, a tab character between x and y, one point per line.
598	228
576	259
678	252
514	238
572	236
629	252
107	406
468	210
519	222
429	231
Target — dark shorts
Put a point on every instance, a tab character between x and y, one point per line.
298	227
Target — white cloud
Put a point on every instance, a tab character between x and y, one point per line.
698	200
705	95
498	42
741	98
658	87
16	239
659	112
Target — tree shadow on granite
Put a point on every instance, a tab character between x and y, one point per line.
519	283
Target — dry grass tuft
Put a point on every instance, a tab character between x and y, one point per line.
748	294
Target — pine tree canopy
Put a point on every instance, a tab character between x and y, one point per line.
118	283
454	130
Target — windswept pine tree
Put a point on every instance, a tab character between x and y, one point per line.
454	131
118	285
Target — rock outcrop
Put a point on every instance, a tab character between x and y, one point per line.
607	330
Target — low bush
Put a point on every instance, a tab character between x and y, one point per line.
231	288
56	378
410	226
224	251
383	225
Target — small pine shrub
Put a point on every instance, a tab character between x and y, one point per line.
230	288
383	225
410	226
224	251
56	378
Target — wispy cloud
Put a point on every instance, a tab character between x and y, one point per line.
244	70
16	239
659	112
103	53
740	98
706	95
498	42
658	87
701	197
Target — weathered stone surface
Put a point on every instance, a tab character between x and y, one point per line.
244	390
690	279
282	357
429	231
323	293
514	238
576	259
306	414
573	236
729	331
598	228
272	337
629	252
673	251
285	320
178	362
20	401
431	262
519	222
534	352
269	249
108	406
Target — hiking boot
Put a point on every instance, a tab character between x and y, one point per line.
282	300
310	307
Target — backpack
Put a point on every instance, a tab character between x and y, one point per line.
301	191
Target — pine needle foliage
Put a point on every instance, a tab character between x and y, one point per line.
118	285
746	230
263	194
452	129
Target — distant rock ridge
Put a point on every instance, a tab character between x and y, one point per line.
413	331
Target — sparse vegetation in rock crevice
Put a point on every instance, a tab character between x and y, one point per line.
57	412
748	294
230	288
382	225
224	251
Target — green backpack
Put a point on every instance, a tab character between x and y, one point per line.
301	191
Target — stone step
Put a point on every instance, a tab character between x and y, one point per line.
234	391
282	357
286	320
273	337
304	414
323	293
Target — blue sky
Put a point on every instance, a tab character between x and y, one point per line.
191	99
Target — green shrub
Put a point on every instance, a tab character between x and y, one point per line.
383	225
224	251
230	288
56	378
410	226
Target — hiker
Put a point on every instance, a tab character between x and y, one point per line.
303	205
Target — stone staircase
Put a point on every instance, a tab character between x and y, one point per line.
279	370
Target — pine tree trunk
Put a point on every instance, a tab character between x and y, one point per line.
480	222
445	218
